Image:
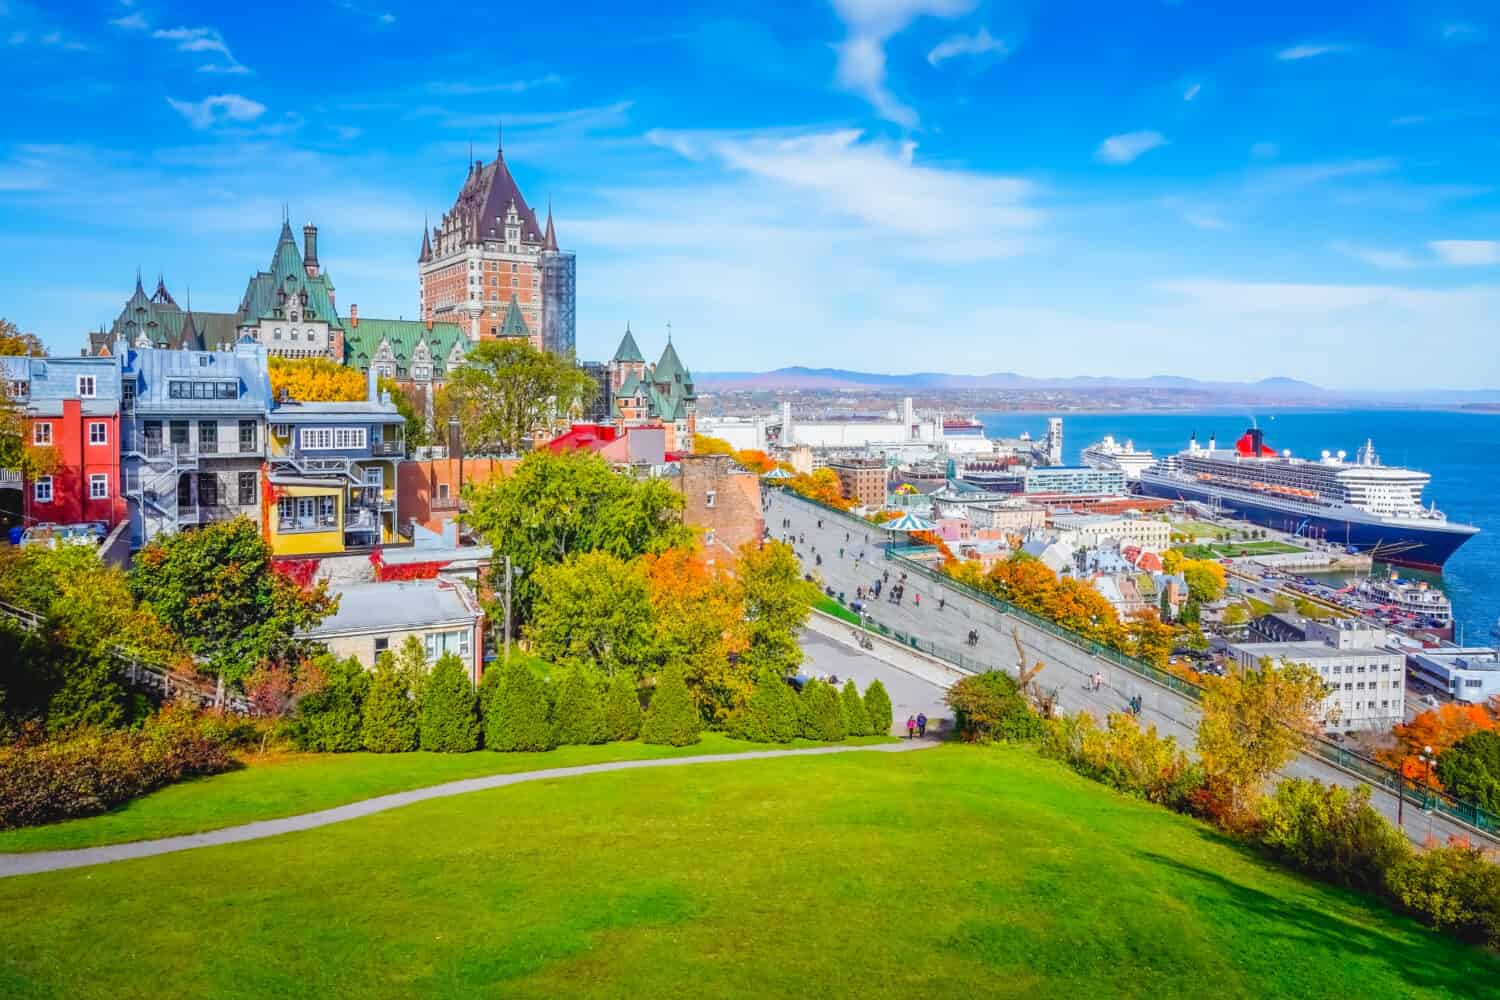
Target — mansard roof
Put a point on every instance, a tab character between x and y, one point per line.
486	197
362	342
162	324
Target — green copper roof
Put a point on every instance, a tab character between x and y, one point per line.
164	324
270	293
362	342
627	352
515	323
669	368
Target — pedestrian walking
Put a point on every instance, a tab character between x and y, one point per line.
941	602
917	599
921	724
911	726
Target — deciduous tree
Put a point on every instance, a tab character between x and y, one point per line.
506	391
1439	728
316	380
594	612
777	604
698	614
1470	769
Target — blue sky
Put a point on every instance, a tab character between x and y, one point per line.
1127	188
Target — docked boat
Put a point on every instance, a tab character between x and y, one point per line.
1409	597
1362	505
1110	454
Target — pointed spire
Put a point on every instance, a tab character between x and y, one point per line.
500	141
549	242
138	289
426	253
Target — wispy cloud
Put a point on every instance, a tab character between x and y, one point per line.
1311	51
1281	179
861	55
1192	91
1128	146
381	18
1458	32
1386	260
217	110
203	40
1467	253
977	44
460	88
135	21
1203	220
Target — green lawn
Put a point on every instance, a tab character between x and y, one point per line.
298	783
1230	550
829	606
949	872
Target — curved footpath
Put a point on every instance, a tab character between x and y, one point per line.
46	861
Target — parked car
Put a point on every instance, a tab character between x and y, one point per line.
53	535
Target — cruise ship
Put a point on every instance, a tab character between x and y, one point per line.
1110	454
1363	505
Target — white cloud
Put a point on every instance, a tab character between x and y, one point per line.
381	18
861	55
131	22
1204	220
1457	32
466	87
217	110
1127	146
1310	51
1386	260
1467	253
1192	91
845	179
202	40
977	44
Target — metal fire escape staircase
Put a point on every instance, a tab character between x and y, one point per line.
159	469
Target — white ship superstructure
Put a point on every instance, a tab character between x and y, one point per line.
1110	454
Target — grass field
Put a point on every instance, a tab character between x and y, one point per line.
829	606
1230	550
287	785
949	872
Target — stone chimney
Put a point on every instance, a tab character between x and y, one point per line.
372	391
354	315
310	249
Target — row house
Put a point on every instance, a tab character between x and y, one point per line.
71	410
331	474
194	436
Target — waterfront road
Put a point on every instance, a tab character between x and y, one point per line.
944	615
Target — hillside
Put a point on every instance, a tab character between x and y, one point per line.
952	871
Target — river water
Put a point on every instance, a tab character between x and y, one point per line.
1461	451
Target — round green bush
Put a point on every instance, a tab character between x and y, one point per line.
671	719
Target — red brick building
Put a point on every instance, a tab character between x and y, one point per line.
722	500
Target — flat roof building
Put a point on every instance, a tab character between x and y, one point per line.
374	618
1367	684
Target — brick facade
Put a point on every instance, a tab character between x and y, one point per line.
428	489
862	480
723	501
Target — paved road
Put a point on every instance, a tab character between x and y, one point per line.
44	861
947	625
909	694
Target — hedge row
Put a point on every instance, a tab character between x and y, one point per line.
776	713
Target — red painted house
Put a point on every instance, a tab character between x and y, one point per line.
72	410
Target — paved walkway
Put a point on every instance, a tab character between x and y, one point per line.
46	861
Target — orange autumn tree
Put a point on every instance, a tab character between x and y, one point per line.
755	460
1438	728
1151	639
699	617
821	485
934	540
316	380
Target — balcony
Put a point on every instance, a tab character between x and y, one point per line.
10	478
181	452
286	525
443	503
388	449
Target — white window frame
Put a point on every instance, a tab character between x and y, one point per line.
41	433
103	428
374	477
316	438
99	486
92	386
41	490
350	438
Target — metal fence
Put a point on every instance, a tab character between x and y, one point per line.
1369	770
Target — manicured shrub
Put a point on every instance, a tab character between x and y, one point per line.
671	718
578	716
622	708
1454	888
329	708
518	716
449	720
822	712
856	719
770	714
878	708
1331	832
1126	757
390	714
42	781
990	706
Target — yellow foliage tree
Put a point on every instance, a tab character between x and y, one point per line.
316	380
705	445
823	486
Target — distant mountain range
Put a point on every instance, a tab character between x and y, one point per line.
1278	388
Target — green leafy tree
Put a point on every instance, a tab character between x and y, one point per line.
555	505
1470	768
771	713
578	714
878	708
216	587
411	406
1332	832
594	612
519	716
671	718
506	391
856	719
330	704
449	720
777	604
390	714
822	712
622	709
990	706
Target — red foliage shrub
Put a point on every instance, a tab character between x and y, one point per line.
299	571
